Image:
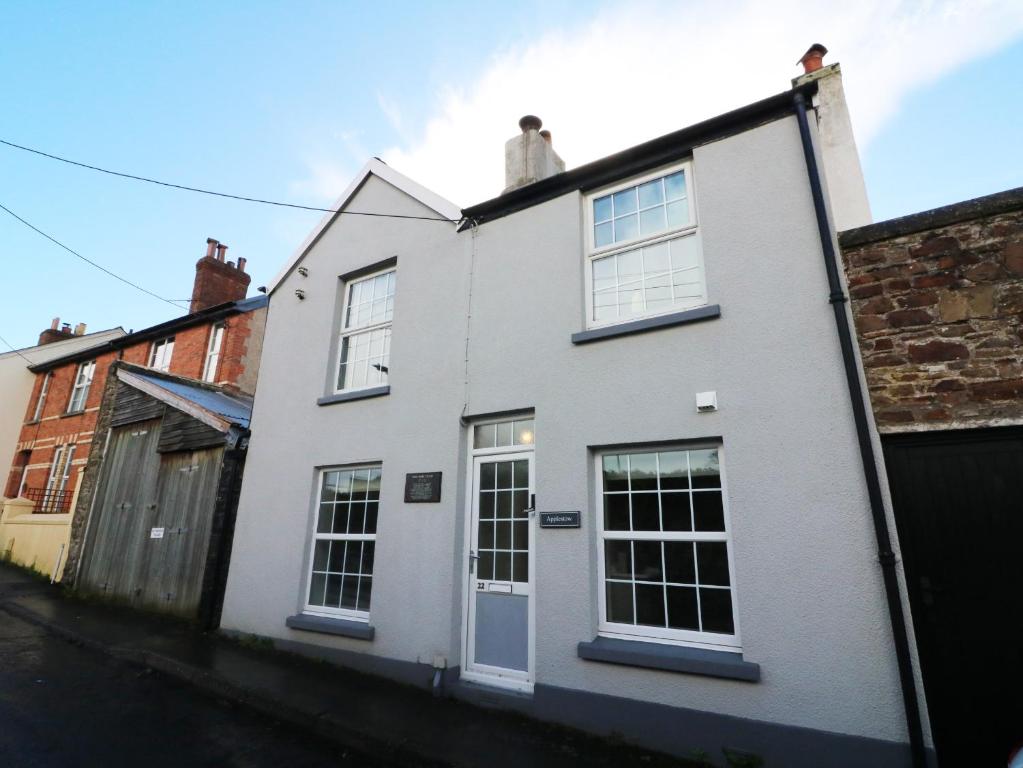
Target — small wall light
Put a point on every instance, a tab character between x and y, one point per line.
303	271
300	293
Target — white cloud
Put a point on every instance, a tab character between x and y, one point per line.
330	173
392	112
635	73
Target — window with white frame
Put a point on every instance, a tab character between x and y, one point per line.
43	391
209	369
80	390
56	469
644	256
365	345
664	549
160	356
344	542
57	482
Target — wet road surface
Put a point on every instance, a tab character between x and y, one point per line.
61	705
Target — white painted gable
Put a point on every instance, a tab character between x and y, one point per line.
381	170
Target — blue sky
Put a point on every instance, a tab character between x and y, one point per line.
265	100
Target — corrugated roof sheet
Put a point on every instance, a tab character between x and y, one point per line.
235	408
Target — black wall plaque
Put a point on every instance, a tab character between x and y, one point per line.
422	487
559	520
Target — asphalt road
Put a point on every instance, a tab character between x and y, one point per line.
61	705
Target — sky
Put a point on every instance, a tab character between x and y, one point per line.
287	102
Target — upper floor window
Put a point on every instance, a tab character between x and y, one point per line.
365	345
209	369
160	357
43	391
644	254
664	548
80	390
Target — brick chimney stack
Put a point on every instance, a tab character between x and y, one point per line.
56	332
217	280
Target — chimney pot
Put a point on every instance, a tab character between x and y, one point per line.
813	59
65	328
80	329
55	323
241	263
217	281
530	123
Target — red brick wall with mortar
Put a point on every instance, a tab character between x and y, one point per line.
937	300
55	427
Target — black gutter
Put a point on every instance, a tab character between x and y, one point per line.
886	556
642	157
217	312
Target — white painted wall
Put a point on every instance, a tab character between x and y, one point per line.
16	383
846	189
809	591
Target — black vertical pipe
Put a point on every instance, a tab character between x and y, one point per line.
885	555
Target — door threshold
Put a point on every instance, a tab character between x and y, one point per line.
503	686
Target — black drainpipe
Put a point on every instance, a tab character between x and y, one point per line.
884	542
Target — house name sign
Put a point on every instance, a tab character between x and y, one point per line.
422	487
559	519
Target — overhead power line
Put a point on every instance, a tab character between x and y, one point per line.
90	261
221	194
16	351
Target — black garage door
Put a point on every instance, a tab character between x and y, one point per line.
958	499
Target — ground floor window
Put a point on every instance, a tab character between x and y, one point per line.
344	542
664	547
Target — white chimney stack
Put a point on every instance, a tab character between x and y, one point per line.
530	156
846	189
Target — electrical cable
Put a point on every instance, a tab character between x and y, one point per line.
89	261
220	194
16	351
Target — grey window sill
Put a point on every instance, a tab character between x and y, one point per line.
69	414
699	314
672	658
359	394
343	627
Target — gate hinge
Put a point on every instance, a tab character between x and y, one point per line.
887	559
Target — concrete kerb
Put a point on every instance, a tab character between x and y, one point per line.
215	686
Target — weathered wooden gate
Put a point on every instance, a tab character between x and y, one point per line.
122	519
176	563
150	534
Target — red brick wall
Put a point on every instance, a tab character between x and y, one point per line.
939	315
238	362
217	282
55	427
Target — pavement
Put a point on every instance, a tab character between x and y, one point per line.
373	721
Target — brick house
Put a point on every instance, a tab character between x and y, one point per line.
938	304
219	341
17	382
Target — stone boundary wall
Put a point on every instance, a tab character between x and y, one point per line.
937	299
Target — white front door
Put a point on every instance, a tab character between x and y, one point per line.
499	614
